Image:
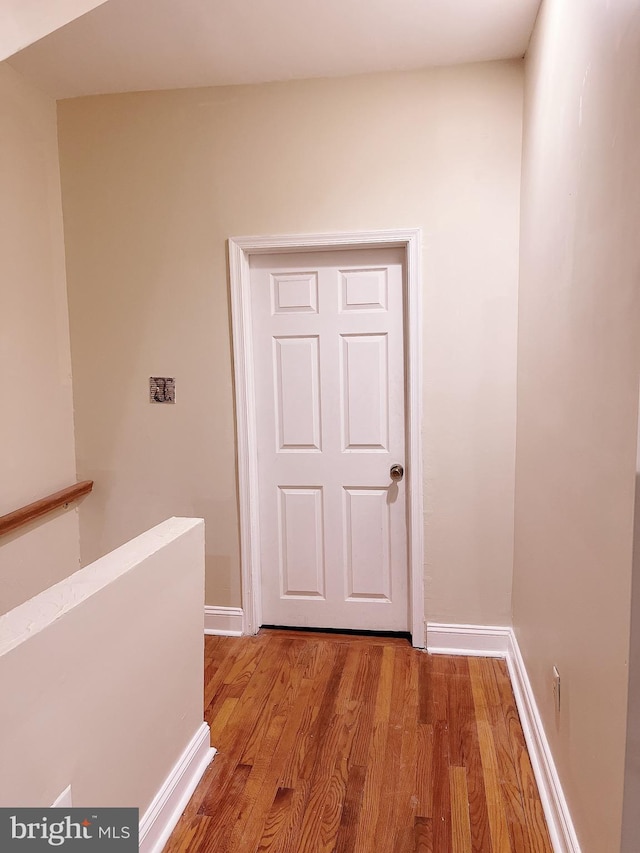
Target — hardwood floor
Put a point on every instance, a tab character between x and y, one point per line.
340	743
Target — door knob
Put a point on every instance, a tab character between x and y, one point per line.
396	473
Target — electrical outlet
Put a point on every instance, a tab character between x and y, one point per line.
556	689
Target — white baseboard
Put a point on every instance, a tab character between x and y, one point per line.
171	800
223	621
482	640
474	640
556	810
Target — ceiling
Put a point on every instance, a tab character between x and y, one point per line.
134	45
24	21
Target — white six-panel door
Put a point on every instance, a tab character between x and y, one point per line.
329	377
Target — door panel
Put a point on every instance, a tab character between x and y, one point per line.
365	392
294	293
297	386
301	542
328	347
364	290
367	527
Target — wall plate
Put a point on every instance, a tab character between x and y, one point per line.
162	389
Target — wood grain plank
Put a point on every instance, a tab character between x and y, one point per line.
364	735
335	792
365	833
293	766
529	832
424	688
212	646
288	833
449	665
460	714
392	781
423	836
251	826
219	721
226	811
479	696
424	771
316	689
333	743
460	821
282	695
321	781
217	681
384	694
189	836
441	823
504	714
276	820
351	810
328	781
243	720
261	751
317	731
497	819
478	802
406	800
537	832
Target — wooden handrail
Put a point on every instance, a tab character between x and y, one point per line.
20	517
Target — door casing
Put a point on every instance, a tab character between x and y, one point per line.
240	250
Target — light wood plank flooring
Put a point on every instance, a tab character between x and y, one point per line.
339	743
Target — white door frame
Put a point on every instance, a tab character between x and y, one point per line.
240	249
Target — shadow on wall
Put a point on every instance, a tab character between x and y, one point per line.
632	761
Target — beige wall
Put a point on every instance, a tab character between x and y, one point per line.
36	408
102	675
155	183
578	392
